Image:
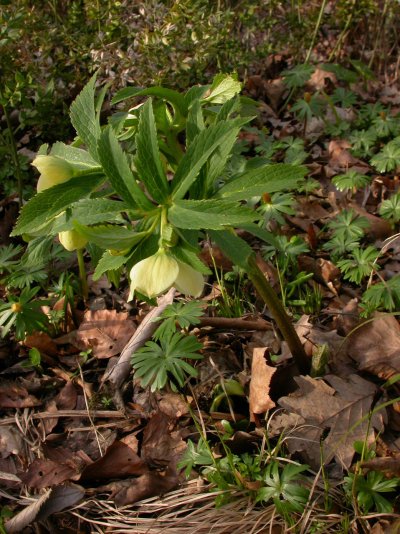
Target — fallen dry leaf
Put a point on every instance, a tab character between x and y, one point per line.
162	445
375	346
43	473
10	441
172	405
338	409
261	376
15	396
53	501
67	397
340	158
152	483
120	460
42	342
106	332
320	78
389	465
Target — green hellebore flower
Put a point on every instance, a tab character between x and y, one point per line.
156	274
72	240
53	171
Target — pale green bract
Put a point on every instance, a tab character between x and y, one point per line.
156	274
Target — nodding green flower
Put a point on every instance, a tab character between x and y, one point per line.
72	240
53	171
156	274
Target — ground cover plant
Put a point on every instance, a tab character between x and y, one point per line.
198	309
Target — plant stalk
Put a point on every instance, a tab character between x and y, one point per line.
279	314
82	273
14	153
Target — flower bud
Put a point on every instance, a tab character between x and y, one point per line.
53	171
154	275
189	281
72	240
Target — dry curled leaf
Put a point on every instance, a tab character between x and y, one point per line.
106	332
15	396
338	408
375	346
261	376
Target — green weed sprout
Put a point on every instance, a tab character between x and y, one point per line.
390	209
23	314
164	191
367	488
360	264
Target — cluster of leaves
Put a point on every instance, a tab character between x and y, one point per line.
164	360
262	481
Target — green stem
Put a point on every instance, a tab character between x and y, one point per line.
279	314
82	273
14	154
316	30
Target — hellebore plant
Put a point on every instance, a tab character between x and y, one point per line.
154	182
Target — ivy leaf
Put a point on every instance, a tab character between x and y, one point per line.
54	200
83	117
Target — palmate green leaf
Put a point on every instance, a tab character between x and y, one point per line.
209	214
201	148
54	200
176	99
298	75
237	250
110	236
152	363
78	157
384	295
182	313
7	253
116	167
108	262
83	117
147	160
268	179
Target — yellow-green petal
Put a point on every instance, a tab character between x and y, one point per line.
189	281
154	275
53	171
72	240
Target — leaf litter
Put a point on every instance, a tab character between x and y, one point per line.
79	429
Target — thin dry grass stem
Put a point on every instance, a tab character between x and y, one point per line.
191	509
93	426
95	414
